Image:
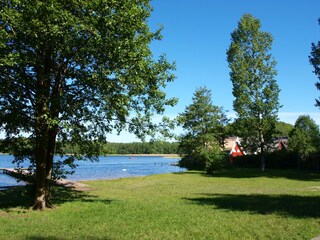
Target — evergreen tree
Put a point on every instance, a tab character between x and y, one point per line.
204	124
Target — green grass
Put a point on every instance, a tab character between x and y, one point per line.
234	204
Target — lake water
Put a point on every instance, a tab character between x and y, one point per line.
106	168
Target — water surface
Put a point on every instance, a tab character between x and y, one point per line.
106	168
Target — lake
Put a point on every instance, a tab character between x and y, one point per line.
106	168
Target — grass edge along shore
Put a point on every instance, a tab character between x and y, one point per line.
236	203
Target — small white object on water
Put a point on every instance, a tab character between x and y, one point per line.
124	169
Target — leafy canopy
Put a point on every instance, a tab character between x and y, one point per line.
74	71
252	72
88	62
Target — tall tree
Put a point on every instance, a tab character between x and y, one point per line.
304	138
314	59
252	72
74	71
203	123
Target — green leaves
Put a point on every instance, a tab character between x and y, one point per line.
94	57
305	136
314	59
77	70
204	126
252	72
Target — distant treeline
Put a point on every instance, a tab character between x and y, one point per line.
142	148
108	148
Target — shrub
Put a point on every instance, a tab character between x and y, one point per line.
277	160
208	159
217	162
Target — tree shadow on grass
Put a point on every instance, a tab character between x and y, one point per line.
256	173
57	238
191	172
15	197
285	205
22	197
292	174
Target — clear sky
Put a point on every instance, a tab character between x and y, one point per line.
197	35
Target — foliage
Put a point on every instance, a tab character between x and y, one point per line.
282	129
304	138
252	72
142	148
73	71
314	59
274	160
197	156
235	202
204	124
216	160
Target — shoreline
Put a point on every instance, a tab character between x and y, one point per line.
166	155
169	155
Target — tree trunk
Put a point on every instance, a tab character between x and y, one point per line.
41	165
262	162
49	166
42	128
262	156
54	113
41	151
262	144
40	194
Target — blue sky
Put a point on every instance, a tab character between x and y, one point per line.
197	35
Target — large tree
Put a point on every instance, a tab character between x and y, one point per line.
73	71
315	61
204	127
252	72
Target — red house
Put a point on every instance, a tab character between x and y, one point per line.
232	144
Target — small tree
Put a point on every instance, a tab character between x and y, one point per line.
204	125
252	72
304	138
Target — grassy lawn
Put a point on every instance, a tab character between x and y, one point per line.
234	204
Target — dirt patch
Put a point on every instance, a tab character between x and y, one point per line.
314	188
78	186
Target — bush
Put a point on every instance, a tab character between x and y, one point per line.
192	162
205	159
274	160
217	162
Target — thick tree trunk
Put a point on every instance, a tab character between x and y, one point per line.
54	113
40	194
41	165
44	143
41	152
49	166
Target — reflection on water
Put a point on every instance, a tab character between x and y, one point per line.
106	168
